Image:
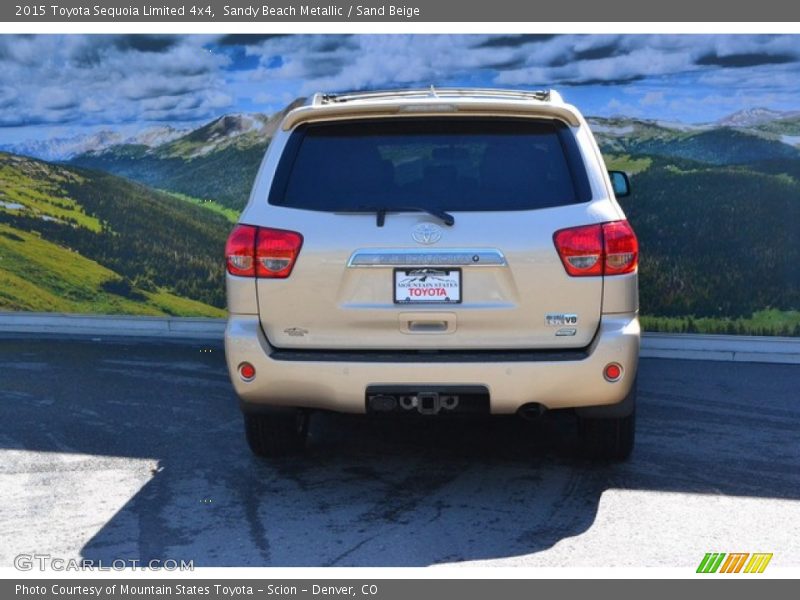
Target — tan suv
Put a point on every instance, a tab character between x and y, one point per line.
433	253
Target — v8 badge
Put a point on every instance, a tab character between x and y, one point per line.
560	319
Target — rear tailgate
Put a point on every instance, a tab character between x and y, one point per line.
511	297
492	280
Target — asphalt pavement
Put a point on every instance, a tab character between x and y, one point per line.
134	450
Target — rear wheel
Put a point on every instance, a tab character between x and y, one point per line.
276	433
609	438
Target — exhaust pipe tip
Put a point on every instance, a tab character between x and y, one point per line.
532	412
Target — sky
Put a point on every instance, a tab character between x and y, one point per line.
62	85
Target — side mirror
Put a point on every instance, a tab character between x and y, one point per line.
620	183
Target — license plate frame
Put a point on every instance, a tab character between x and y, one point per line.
444	277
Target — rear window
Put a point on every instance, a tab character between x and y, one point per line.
449	164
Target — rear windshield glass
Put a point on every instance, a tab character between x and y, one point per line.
448	164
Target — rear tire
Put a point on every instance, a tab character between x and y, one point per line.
275	434
608	438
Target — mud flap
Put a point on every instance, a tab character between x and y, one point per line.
611	411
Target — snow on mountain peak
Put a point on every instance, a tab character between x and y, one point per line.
750	117
65	148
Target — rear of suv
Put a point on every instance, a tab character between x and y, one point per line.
430	253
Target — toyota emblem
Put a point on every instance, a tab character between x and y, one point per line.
426	233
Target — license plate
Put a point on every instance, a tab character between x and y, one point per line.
427	286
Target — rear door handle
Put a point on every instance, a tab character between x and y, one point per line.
427	326
427	322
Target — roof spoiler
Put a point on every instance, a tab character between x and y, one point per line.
434	102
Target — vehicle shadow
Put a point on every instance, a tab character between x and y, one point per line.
376	492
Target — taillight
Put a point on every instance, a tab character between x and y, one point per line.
240	251
262	252
276	251
602	249
581	250
621	248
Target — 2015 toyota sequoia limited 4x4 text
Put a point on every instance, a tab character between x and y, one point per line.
434	252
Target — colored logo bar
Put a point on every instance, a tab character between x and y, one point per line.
734	562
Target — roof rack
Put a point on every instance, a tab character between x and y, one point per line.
432	92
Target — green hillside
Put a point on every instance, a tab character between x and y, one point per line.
717	147
39	188
787	126
74	239
706	144
224	176
715	241
37	275
621	135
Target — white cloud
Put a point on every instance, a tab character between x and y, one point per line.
114	80
370	61
617	107
652	99
109	79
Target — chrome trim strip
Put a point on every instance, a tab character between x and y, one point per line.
454	257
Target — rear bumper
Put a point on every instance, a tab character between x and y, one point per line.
338	381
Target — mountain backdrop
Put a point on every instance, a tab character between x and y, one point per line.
217	161
144	218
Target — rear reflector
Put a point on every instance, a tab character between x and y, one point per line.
602	249
247	371
262	252
612	372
